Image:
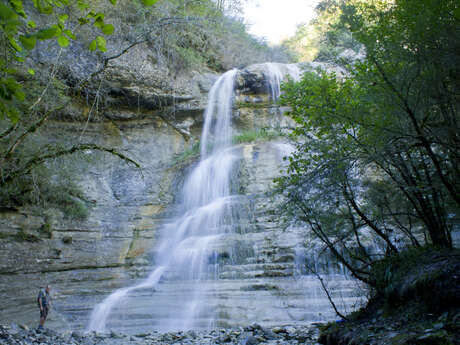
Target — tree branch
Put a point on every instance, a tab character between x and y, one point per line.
31	130
370	223
9	130
420	135
145	37
323	285
63	152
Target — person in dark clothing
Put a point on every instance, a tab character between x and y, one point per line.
44	303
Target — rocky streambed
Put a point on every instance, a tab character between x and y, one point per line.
250	335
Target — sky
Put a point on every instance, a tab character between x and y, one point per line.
277	19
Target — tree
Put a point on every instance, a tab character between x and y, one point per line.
323	38
21	113
377	152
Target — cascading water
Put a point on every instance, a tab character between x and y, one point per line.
186	246
211	259
275	73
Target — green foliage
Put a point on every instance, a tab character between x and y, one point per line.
188	155
28	97
241	104
254	135
23	236
69	199
375	154
325	37
46	230
38	189
67	239
19	34
236	48
389	272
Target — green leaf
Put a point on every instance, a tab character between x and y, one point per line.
101	43
31	24
108	29
6	13
18	7
31	71
28	42
457	13
83	21
13	115
99	16
15	44
59	28
149	2
82	5
93	45
20	95
70	34
63	41
46	34
113	2
63	18
47	9
99	23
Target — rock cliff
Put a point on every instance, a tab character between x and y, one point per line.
159	123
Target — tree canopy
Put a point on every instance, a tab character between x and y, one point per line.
378	148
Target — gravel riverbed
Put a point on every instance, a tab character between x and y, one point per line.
250	335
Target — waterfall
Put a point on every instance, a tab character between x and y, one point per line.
212	258
275	74
186	245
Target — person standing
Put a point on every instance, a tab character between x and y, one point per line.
44	303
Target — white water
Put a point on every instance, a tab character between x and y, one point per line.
186	253
184	248
276	73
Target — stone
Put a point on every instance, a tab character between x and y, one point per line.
24	327
191	334
77	335
250	340
278	330
290	330
268	334
142	335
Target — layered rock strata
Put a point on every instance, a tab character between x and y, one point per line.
259	264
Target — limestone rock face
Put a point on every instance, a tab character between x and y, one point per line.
157	122
132	86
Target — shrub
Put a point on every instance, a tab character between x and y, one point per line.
255	135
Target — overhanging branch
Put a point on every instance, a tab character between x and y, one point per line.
63	152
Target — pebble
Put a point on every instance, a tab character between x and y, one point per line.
251	335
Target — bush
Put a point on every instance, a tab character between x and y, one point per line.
67	239
44	190
255	135
46	230
23	236
188	155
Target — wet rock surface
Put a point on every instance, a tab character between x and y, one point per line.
86	260
250	335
